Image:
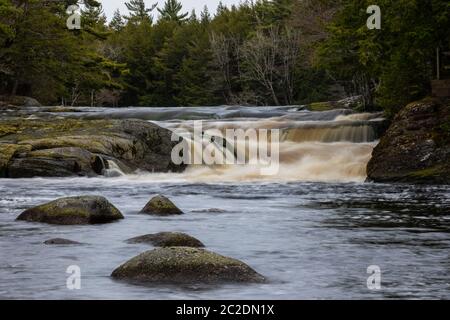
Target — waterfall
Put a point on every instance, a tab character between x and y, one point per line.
112	170
328	146
325	151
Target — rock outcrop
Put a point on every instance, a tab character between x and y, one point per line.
161	206
347	103
168	239
79	147
73	211
416	147
182	265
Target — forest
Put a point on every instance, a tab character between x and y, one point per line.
279	52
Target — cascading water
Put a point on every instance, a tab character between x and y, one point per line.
325	151
330	146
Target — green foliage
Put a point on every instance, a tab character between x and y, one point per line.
117	22
171	11
139	12
391	66
258	52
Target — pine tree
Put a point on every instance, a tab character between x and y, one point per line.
193	16
117	23
138	11
93	16
205	16
171	11
221	8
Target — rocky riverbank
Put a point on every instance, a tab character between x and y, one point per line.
416	147
71	147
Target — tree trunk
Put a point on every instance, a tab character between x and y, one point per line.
92	98
15	87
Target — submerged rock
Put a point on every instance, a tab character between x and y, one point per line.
58	241
168	239
211	210
73	211
416	147
161	206
81	147
180	265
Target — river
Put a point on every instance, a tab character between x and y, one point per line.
312	229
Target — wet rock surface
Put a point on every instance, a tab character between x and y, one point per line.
80	147
185	266
168	239
161	206
61	242
73	211
416	147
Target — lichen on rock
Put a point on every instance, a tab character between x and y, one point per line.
73	211
181	265
81	147
161	206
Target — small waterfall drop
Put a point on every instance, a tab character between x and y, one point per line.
112	170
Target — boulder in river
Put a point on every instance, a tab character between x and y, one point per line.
181	265
73	211
59	241
161	206
168	239
416	147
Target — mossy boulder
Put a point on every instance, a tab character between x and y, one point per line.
181	265
61	242
161	206
73	211
416	147
168	239
81	147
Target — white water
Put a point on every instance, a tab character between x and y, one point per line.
310	151
113	170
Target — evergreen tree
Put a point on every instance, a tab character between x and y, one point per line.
94	20
171	11
138	11
205	16
117	24
391	66
221	8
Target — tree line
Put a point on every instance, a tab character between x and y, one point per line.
261	52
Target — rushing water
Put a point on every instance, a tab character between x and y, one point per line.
312	230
